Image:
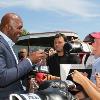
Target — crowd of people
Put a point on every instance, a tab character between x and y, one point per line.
13	70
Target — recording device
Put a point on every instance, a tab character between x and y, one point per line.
43	69
76	47
73	47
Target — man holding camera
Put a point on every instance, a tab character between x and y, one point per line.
61	57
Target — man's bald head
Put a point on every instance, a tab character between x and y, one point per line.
7	18
11	25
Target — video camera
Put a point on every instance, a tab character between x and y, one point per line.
76	47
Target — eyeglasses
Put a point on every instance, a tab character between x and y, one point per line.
92	41
22	52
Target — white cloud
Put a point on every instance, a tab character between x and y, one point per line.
84	8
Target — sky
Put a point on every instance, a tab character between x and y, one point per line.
80	16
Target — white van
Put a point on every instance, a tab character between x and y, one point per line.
45	39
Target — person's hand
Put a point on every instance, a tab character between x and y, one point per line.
78	77
84	74
51	77
37	56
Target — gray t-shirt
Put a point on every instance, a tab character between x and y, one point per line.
95	69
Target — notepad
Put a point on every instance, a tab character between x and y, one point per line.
66	69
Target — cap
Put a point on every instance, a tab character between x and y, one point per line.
88	38
95	35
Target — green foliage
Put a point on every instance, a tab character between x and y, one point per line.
24	32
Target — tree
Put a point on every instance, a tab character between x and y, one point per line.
24	32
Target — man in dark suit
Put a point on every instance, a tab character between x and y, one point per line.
10	70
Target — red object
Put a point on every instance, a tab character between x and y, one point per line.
81	56
95	35
40	77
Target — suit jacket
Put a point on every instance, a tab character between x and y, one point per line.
10	71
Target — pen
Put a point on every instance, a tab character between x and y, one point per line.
70	73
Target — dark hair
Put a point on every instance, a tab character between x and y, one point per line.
60	35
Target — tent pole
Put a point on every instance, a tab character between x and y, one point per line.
28	47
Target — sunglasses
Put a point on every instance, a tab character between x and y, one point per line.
22	52
92	41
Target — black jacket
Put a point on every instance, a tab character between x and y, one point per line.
54	62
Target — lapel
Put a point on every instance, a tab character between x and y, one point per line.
3	41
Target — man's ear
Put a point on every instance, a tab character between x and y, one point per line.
8	27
